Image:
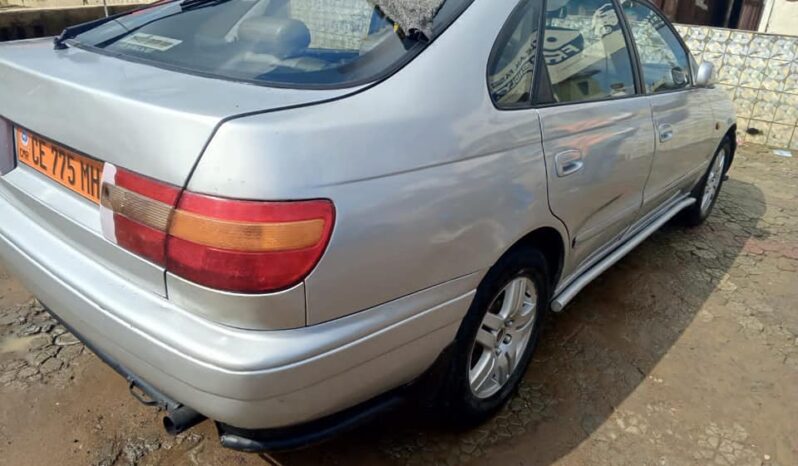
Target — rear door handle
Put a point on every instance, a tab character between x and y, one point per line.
568	162
665	132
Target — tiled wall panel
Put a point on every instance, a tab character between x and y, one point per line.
760	72
334	23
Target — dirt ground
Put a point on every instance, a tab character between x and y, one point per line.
686	352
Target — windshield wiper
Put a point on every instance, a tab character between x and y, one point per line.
59	41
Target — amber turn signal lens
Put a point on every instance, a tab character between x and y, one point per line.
246	236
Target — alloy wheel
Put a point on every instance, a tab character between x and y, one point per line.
503	337
713	181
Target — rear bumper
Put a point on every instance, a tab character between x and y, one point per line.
242	378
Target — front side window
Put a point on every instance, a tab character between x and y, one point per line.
585	51
283	42
511	69
664	62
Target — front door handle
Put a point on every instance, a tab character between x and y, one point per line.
568	162
665	132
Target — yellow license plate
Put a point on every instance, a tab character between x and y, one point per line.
74	171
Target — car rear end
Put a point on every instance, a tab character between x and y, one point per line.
99	149
199	300
94	155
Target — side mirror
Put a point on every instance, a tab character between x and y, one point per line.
706	75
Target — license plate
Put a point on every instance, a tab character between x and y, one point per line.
76	172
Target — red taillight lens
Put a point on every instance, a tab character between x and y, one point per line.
231	245
244	245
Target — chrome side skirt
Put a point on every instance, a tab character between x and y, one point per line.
567	294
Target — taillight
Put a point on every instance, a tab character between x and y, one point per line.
226	244
6	147
246	245
140	209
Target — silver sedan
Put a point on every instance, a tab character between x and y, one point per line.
283	214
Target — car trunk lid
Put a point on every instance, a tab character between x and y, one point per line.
150	120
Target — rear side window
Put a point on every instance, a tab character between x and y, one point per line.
664	62
586	54
292	43
512	64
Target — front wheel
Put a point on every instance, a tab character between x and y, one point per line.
498	336
706	193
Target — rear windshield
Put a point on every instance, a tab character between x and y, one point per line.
290	43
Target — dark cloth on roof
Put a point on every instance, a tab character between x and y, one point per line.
411	15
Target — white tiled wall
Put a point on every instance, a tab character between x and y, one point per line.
335	24
760	72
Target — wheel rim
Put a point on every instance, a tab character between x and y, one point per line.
503	337
713	181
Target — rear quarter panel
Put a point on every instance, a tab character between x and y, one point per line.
429	180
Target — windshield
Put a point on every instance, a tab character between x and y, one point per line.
294	43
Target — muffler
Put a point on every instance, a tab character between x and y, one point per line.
181	419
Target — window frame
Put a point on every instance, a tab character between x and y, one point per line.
537	86
540	91
691	82
540	87
518	11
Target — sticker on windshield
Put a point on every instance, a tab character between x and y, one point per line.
149	42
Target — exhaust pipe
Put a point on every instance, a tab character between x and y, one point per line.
181	419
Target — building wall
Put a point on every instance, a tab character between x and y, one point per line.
780	17
760	72
27	23
334	24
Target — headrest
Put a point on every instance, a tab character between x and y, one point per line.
281	37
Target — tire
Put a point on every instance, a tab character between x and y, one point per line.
710	185
514	337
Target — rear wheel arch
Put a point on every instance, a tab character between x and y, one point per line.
551	244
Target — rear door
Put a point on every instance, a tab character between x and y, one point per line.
682	114
598	136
